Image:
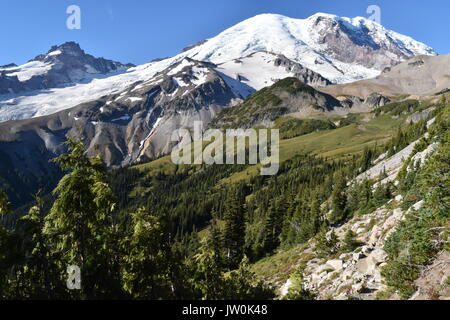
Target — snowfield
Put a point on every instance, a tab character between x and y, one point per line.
257	71
28	70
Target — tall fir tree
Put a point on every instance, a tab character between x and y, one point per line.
207	274
339	198
36	276
4	248
273	226
4	204
215	241
78	222
234	229
145	272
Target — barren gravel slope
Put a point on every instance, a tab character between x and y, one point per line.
421	75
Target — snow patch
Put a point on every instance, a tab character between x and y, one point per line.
122	118
155	125
180	67
54	53
180	83
134	99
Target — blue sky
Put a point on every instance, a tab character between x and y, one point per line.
138	31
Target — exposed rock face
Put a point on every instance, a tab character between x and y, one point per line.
62	65
392	165
261	69
9	65
421	115
353	43
376	100
356	104
300	72
9	84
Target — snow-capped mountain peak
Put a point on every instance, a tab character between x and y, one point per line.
68	48
61	65
340	49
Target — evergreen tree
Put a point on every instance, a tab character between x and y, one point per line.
366	160
365	195
272	227
78	222
37	274
287	236
297	223
326	246
313	219
145	272
207	278
4	204
339	199
297	290
215	241
234	230
381	194
243	285
4	248
353	199
350	242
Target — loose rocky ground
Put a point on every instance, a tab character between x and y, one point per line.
357	274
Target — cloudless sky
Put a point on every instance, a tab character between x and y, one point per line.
138	31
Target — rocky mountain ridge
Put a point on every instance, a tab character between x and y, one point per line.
61	65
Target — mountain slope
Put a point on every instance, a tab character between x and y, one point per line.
422	75
252	54
126	126
287	96
397	250
345	273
